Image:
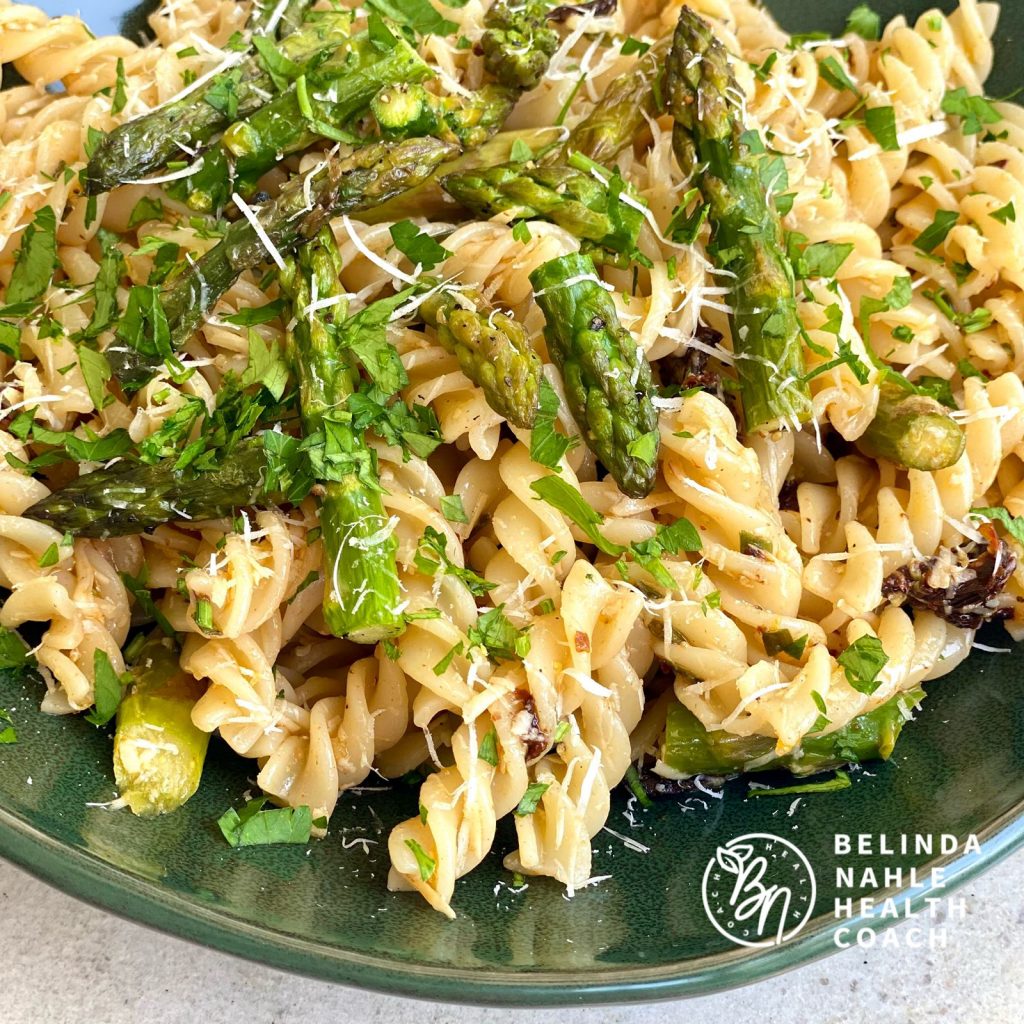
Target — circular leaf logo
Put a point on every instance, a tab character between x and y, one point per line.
758	890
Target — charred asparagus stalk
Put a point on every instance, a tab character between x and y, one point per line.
493	350
130	497
589	205
607	377
691	749
361	593
621	113
912	431
325	102
517	43
369	176
747	236
517	47
429	200
158	752
409	110
178	129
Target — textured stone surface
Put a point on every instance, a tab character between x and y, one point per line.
66	963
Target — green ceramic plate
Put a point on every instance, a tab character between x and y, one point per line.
642	934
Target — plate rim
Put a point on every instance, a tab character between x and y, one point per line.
95	881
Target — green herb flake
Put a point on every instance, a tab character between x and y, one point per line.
781	641
521	152
120	86
417	245
419	15
881	124
547	445
975	112
521	232
822	721
424	861
935	234
432	555
13	651
445	663
8	734
253	826
836	75
864	22
498	636
531	798
1004	214
106	687
488	749
631	46
862	662
453	510
564	497
645	447
36	260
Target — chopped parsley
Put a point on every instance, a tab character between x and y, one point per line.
975	112
417	245
107	689
496	634
419	15
862	662
253	826
547	445
864	22
935	234
453	510
432	555
488	749
530	800
1004	214
881	124
424	861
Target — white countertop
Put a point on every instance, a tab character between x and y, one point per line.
66	963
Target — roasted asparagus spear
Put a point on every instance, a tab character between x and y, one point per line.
361	592
621	113
158	752
517	46
746	240
178	129
913	431
328	100
369	176
590	207
691	749
493	350
517	43
607	377
130	497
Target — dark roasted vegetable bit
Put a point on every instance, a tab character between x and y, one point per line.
966	585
